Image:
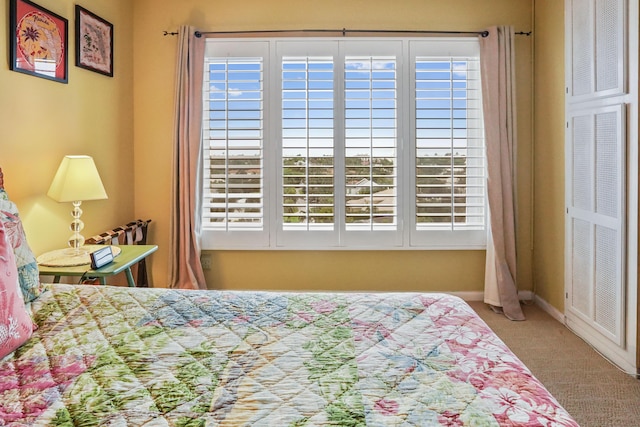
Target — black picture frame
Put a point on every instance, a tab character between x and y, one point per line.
94	42
38	41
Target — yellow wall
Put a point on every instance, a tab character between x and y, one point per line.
399	270
549	152
41	121
352	270
125	123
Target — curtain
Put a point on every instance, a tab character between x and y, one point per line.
186	270
497	62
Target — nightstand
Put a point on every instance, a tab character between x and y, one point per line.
129	256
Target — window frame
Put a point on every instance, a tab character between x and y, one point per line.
442	239
406	236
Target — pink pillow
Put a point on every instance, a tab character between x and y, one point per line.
15	323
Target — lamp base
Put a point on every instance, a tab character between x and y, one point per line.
76	241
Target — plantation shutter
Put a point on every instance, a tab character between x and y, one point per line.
234	184
370	100
311	143
449	150
234	199
308	199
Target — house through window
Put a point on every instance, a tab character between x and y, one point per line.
343	143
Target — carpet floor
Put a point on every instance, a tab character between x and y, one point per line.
594	391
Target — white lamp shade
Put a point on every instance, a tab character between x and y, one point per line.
77	179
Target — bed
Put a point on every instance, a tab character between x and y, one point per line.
116	356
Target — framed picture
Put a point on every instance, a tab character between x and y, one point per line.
38	41
94	42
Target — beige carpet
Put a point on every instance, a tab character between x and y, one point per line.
596	393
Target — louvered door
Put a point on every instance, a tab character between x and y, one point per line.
595	169
595	219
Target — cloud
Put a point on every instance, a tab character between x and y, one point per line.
232	92
368	65
460	69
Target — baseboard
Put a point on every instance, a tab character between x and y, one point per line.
469	296
549	309
623	358
479	295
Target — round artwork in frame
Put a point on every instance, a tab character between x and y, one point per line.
39	41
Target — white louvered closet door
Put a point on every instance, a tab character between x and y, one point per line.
595	169
595	220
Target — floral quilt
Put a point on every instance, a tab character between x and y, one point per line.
110	356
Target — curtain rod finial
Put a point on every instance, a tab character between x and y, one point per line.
198	34
484	33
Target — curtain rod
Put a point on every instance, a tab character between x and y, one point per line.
344	32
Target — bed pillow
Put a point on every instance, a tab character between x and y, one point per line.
15	323
25	259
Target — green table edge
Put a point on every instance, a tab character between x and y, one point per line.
130	255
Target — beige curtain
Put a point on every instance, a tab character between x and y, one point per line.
497	62
186	270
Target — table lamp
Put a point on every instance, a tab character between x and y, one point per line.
76	180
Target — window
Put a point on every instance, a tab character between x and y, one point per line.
308	151
358	143
235	144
